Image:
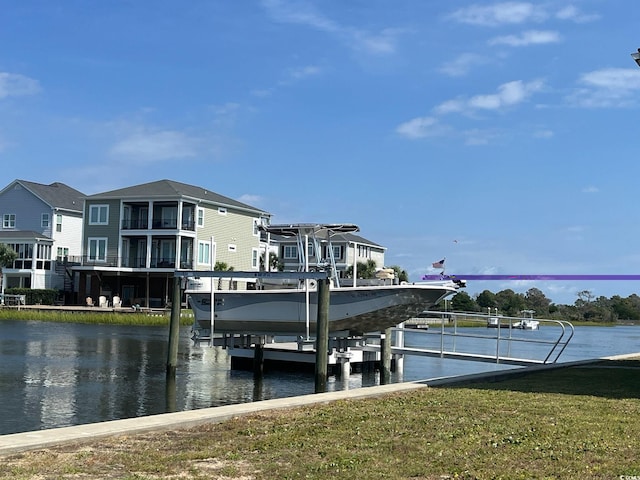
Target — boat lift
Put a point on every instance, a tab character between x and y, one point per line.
452	341
306	276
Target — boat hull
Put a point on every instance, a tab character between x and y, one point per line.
355	310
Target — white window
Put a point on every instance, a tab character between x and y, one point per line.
255	258
256	224
62	252
58	223
204	253
200	219
290	251
232	247
337	252
44	221
222	211
43	252
9	220
97	249
98	214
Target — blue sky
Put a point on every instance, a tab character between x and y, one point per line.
499	135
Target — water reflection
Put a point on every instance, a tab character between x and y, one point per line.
54	374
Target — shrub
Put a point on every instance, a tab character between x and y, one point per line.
45	296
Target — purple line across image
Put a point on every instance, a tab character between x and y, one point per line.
531	277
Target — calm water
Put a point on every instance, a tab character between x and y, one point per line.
55	374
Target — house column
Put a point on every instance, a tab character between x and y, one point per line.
147	262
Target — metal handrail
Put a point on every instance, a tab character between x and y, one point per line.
505	324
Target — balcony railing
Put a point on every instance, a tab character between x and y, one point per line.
138	224
158	224
113	261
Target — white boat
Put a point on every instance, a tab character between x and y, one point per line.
353	310
527	323
494	322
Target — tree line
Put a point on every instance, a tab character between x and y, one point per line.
586	308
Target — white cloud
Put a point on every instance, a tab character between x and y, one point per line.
517	13
421	127
298	74
571	12
504	13
304	13
508	94
303	72
149	147
14	85
461	65
451	106
385	42
530	37
479	137
590	189
290	77
543	133
610	87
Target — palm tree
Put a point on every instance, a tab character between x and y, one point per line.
7	257
274	263
365	270
221	267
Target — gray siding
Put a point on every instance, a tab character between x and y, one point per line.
27	208
109	231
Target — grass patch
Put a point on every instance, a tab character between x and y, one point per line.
108	318
567	423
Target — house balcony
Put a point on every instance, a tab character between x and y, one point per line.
137	263
135	224
158	224
161	215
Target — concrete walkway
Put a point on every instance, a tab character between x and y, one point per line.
19	442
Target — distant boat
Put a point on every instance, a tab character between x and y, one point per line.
527	324
494	322
353	310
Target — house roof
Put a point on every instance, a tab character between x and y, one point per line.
13	235
350	237
169	188
56	195
338	237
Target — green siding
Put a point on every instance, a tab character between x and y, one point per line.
233	228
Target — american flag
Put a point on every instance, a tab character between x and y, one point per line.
439	264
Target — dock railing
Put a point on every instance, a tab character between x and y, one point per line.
12	300
486	338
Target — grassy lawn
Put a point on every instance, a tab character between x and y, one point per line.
578	422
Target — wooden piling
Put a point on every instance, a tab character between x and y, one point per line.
385	357
322	336
174	328
258	359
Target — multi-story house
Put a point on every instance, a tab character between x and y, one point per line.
134	239
43	224
348	250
